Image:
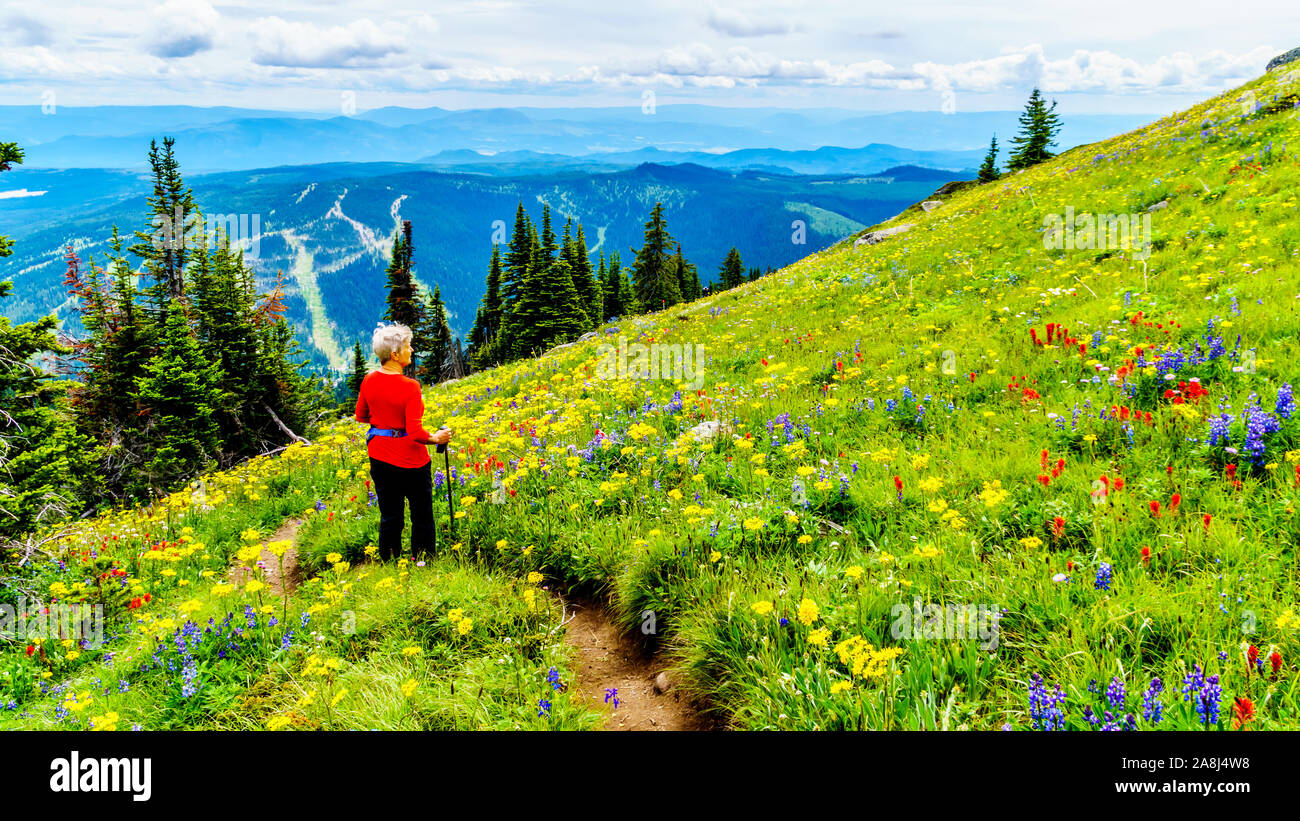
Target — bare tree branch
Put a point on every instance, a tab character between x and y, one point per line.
284	427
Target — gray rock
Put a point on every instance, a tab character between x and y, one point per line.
588	335
930	205
1282	59
883	234
662	683
705	431
1160	206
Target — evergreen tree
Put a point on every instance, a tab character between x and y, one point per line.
175	221
654	278
220	361
179	397
481	349
603	283
573	250
519	255
359	370
440	341
625	303
549	247
989	170
1039	125
584	279
521	330
688	277
564	320
732	272
405	306
47	469
755	273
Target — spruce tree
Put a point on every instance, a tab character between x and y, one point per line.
549	246
654	278
564	319
519	254
353	383
732	271
989	170
405	306
688	278
1039	125
179	397
47	467
521	329
626	303
435	365
174	221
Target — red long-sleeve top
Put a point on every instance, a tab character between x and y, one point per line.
391	400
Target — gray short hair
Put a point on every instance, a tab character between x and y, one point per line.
389	339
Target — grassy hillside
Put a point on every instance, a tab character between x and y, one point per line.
1100	449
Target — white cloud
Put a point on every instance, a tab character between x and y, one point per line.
183	28
21	30
360	43
737	24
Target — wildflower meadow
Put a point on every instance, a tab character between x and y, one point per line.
965	478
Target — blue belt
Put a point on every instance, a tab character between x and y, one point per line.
396	433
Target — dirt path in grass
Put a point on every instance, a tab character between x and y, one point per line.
607	659
292	573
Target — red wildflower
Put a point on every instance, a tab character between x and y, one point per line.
1155	508
1243	710
1119	482
1058	527
1230	471
1069	565
1042	460
1146	556
1205	521
1275	660
31	648
1252	655
134	603
1044	480
147	597
1174	502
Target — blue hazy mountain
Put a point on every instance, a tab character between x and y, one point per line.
329	227
234	139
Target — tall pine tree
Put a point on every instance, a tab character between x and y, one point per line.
47	469
654	277
989	170
732	272
174	222
405	306
1039	125
180	396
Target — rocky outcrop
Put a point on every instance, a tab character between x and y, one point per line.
1282	59
883	234
930	205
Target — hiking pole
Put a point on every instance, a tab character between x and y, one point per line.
451	516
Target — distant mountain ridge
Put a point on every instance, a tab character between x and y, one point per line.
329	227
240	139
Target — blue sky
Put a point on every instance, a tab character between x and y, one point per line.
1096	57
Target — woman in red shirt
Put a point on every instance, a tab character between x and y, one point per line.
399	463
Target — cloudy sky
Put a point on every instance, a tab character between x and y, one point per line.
1147	56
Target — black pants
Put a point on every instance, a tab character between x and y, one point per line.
394	486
